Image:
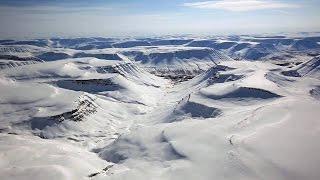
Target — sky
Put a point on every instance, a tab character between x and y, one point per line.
79	18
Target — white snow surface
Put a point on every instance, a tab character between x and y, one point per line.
95	118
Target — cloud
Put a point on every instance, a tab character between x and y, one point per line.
243	5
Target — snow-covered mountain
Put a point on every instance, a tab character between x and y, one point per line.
176	60
310	68
169	108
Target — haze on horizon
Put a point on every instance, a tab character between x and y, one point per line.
48	18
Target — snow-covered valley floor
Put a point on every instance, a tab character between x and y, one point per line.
91	118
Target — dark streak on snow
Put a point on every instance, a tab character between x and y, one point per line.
104	170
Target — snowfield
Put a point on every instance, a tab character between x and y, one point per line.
160	108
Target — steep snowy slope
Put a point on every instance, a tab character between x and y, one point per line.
166	42
56	99
128	44
254	51
176	60
310	68
247	49
260	48
35	42
16	55
202	43
305	44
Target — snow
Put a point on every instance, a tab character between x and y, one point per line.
97	117
309	68
30	157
